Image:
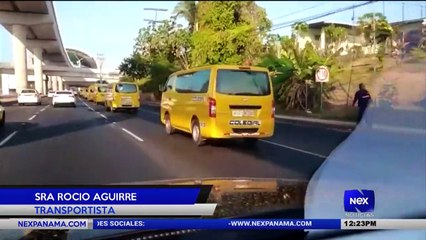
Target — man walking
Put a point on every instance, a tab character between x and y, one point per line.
362	96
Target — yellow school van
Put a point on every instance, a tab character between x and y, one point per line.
91	91
123	95
219	101
100	91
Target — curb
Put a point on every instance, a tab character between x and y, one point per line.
292	118
317	120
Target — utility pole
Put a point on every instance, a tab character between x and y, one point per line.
374	32
156	10
383	5
403	11
353	57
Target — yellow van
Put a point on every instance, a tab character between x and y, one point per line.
219	101
81	91
123	95
100	91
91	92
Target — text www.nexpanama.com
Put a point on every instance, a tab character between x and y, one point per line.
276	223
52	224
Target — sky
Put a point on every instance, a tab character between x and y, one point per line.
110	27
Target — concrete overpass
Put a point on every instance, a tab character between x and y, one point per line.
35	35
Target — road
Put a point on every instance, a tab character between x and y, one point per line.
86	145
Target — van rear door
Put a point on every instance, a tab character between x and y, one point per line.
243	99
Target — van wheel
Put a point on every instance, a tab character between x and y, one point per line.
107	109
196	133
168	125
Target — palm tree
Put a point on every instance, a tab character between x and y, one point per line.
375	26
187	10
335	36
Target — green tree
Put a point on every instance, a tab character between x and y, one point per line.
168	41
230	32
135	67
300	28
375	25
187	10
334	36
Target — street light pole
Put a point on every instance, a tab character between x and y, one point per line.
100	57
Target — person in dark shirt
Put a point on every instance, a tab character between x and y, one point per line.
362	96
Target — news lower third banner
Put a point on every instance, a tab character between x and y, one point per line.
215	224
111	201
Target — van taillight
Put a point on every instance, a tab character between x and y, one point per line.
273	109
212	107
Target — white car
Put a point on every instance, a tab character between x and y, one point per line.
63	98
50	93
29	96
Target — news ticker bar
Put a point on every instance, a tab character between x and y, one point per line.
214	224
206	209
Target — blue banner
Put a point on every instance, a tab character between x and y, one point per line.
32	196
216	224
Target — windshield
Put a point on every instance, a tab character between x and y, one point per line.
126	88
239	82
28	91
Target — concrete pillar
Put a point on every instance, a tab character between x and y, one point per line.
4	84
60	83
38	70
54	80
19	36
44	81
49	82
322	39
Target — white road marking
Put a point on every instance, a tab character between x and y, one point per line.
41	110
132	134
277	144
8	138
293	148
100	114
114	123
31	118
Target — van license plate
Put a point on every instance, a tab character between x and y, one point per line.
242	113
126	101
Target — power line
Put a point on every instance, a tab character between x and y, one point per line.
299	11
290	23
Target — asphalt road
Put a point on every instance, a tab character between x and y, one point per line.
86	145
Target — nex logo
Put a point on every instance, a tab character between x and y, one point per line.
359	200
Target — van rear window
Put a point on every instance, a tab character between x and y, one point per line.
102	89
244	83
126	88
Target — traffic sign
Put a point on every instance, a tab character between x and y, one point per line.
322	74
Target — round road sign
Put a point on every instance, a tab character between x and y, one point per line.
322	74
